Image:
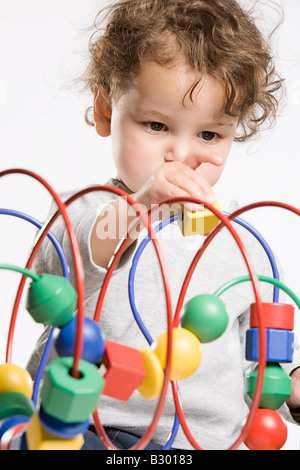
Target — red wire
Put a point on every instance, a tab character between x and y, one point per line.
257	394
255	284
79	274
13	431
79	278
147	437
254	279
42	235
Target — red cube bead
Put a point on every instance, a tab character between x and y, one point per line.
124	370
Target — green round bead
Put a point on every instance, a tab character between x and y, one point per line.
206	316
277	386
68	398
15	403
51	300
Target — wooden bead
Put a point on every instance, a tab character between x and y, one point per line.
268	431
14	403
152	384
275	315
124	370
93	340
39	439
67	398
15	379
279	347
51	300
200	222
277	386
206	316
186	353
60	428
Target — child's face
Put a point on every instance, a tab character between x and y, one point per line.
154	122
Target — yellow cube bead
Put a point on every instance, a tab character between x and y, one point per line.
200	222
39	439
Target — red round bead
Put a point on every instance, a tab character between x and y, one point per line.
268	431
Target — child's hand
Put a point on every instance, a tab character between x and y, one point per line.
294	400
178	179
172	179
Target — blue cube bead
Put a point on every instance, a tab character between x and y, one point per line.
279	347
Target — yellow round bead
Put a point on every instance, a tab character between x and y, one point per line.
15	379
152	384
186	353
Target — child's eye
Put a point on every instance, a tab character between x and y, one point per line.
155	126
208	136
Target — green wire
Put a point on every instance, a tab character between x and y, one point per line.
24	271
237	280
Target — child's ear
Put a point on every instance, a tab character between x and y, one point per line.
102	115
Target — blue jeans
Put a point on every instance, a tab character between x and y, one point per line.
120	439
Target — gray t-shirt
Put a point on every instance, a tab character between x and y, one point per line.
213	398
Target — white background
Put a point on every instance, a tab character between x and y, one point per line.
43	49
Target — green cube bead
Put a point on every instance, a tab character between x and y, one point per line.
277	386
51	300
68	398
15	403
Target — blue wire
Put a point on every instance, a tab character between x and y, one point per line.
267	250
173	434
42	366
136	314
136	258
66	273
38	224
132	296
134	264
162	224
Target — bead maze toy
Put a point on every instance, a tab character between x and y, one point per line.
74	381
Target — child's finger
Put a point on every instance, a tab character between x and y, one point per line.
181	193
206	156
187	180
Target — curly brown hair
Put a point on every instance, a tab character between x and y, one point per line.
215	37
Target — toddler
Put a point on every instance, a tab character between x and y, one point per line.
175	83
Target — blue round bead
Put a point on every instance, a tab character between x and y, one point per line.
93	340
60	428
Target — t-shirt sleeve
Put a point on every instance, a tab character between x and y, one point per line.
83	215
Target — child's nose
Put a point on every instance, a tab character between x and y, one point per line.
177	151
